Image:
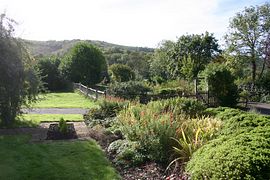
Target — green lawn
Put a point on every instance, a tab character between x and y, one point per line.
64	100
33	120
56	160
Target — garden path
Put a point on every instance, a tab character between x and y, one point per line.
263	108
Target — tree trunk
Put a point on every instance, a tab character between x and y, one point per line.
254	68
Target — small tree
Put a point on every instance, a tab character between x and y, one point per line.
221	84
84	63
121	73
19	81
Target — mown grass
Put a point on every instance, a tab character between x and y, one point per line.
56	160
33	120
63	100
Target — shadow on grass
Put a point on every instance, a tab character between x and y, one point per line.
55	160
19	122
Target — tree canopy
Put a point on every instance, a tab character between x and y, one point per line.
248	34
199	50
19	81
85	64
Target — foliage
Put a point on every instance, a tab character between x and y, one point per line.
153	125
264	83
184	106
104	114
51	75
63	126
159	62
85	64
180	86
242	156
106	109
241	149
247	35
125	152
198	50
194	133
128	90
135	57
19	81
221	84
121	73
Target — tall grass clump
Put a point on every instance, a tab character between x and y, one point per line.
157	125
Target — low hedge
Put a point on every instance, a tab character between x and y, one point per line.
242	156
240	151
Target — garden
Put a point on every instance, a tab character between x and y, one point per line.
184	110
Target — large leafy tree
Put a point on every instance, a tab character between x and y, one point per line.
192	53
19	82
248	34
85	64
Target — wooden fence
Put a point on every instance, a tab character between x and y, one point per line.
90	92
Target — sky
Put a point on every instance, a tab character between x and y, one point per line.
142	23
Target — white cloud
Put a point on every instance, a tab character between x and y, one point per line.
128	22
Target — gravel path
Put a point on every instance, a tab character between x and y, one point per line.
55	111
263	108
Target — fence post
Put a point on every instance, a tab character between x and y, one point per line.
196	87
96	94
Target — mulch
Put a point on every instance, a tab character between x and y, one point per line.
146	171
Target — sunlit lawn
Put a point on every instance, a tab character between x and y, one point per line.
64	100
55	160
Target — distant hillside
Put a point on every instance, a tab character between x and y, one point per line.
135	57
45	48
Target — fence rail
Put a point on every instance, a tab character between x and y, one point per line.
90	92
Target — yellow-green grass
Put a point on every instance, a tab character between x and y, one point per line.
33	120
63	100
55	160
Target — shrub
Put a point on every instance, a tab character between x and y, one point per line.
194	133
125	151
185	106
63	126
106	109
153	125
240	151
243	156
121	73
128	90
221	84
105	113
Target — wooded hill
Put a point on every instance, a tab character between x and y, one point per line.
135	57
47	48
